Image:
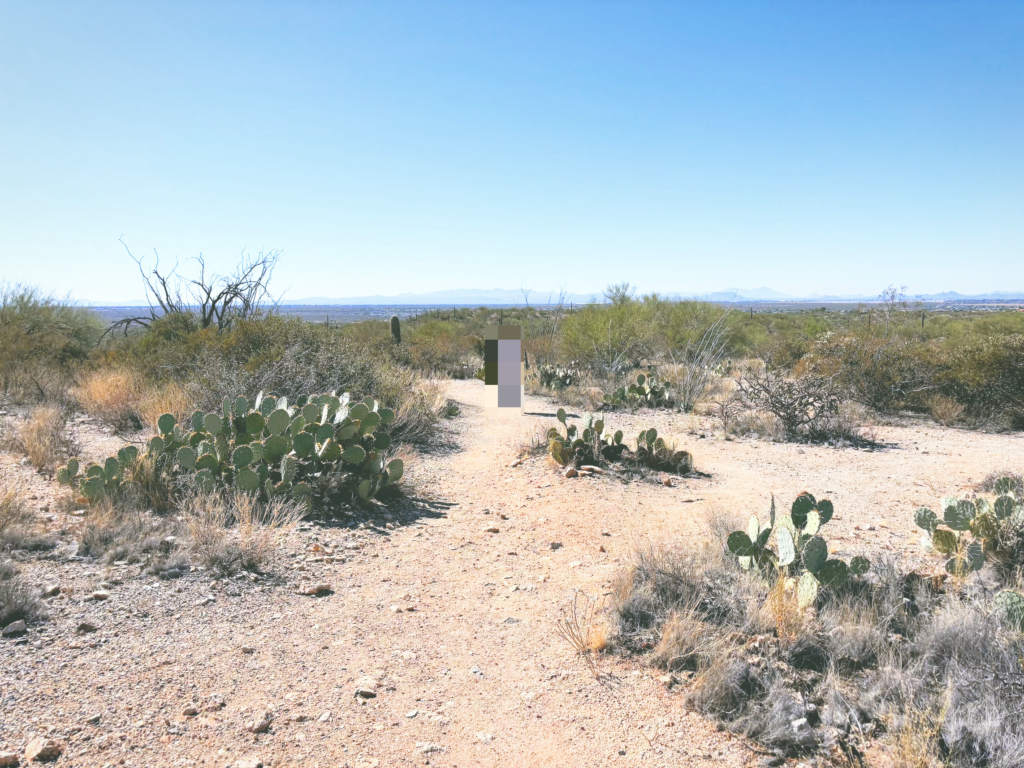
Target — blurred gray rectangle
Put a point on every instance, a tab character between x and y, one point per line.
509	396
510	351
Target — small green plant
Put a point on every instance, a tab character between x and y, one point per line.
969	531
647	392
800	552
324	446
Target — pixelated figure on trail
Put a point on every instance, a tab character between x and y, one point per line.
503	368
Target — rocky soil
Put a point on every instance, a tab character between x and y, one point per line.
424	634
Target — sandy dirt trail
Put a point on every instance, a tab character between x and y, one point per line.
474	674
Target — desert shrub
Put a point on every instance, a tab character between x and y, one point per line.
43	437
441	349
985	374
116	529
18	601
945	410
42	340
884	373
14	511
229	531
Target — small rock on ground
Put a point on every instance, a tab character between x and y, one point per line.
42	748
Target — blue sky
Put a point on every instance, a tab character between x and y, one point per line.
389	147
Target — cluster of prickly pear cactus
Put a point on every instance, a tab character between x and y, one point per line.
322	446
980	518
1008	605
801	551
557	377
652	451
647	392
589	445
96	481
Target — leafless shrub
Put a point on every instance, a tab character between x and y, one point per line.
119	530
697	363
14	511
575	625
215	300
945	410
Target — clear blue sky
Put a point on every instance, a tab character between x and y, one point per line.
389	146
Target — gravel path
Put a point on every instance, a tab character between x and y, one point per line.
436	643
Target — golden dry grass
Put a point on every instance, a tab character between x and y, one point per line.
14	511
124	398
165	398
43	437
235	529
111	396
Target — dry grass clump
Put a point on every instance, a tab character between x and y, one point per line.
233	531
18	529
112	396
945	410
18	601
932	676
123	398
117	530
43	437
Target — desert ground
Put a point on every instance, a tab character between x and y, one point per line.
435	643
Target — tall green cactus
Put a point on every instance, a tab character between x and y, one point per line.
396	329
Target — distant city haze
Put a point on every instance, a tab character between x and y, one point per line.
410	148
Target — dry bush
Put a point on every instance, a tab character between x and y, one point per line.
687	642
258	527
43	437
112	396
945	410
14	511
747	423
170	398
18	525
17	599
120	530
575	625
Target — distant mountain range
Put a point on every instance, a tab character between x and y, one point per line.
469	296
500	296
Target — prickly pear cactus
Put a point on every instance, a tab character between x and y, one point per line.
324	447
800	550
1008	605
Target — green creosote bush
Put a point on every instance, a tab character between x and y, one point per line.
800	552
324	447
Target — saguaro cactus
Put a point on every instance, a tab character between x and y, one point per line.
396	329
